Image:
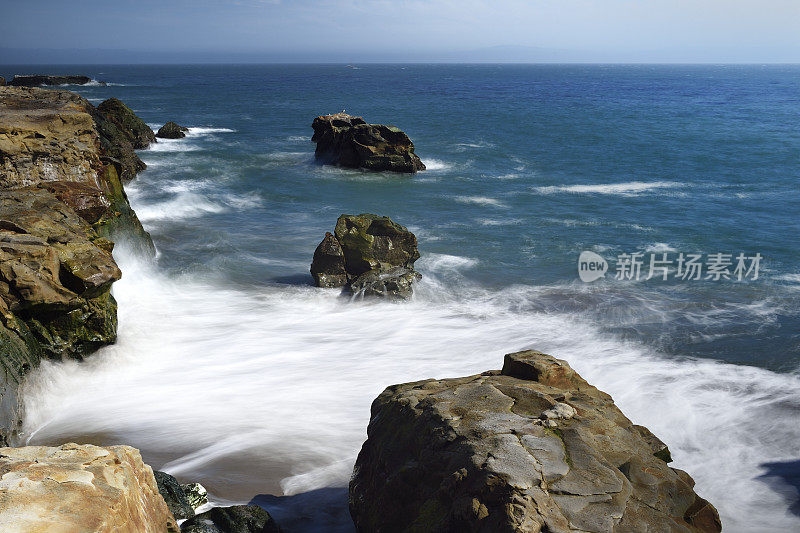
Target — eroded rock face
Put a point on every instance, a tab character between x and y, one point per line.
34	80
138	133
531	448
370	254
348	141
80	488
174	495
170	130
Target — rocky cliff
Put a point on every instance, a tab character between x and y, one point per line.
80	488
61	203
530	448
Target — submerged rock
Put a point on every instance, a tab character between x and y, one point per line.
173	495
533	447
35	80
137	132
235	519
348	141
80	488
170	130
369	254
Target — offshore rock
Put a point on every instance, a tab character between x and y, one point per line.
173	495
138	133
2	81
533	447
170	130
348	141
235	519
369	254
80	488
196	494
35	80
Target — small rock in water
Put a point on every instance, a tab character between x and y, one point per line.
170	130
196	494
370	254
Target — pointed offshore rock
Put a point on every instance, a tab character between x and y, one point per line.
170	130
477	454
348	141
137	132
369	254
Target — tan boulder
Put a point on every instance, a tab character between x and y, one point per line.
79	488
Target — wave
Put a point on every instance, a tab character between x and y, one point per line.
172	145
630	188
203	130
209	369
479	200
436	165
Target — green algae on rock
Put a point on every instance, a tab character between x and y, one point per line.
138	133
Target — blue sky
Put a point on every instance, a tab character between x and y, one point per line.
402	30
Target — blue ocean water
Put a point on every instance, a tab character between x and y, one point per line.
528	166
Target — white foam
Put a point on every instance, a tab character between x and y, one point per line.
657	247
184	205
172	145
436	165
196	131
479	200
630	188
268	391
498	222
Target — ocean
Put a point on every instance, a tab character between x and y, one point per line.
232	370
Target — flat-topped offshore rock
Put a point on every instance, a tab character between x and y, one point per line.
34	80
348	141
370	254
82	488
533	448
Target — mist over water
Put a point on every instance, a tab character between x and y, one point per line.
232	371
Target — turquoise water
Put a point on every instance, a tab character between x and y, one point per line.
528	166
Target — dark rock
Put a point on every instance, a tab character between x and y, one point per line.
531	448
2	81
170	130
173	495
235	519
138	133
39	79
348	141
395	283
327	268
372	249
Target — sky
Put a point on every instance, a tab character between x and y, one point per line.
175	31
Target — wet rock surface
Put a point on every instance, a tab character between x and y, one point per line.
348	141
533	447
368	254
174	495
235	519
138	133
80	488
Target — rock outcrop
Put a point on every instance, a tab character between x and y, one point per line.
174	495
369	254
61	201
36	80
348	141
80	488
170	130
235	519
2	81
138	133
533	447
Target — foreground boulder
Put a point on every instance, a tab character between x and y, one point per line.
80	488
35	80
348	141
174	495
138	133
170	130
533	448
235	519
369	254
